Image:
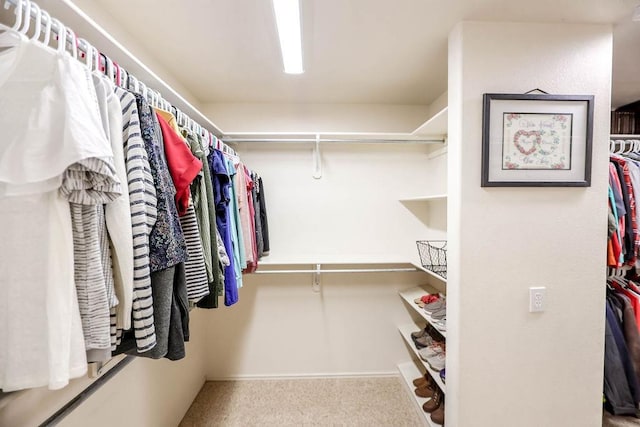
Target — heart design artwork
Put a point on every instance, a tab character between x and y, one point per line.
527	141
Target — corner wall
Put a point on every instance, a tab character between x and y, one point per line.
352	215
506	366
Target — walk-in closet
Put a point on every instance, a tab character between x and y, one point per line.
319	212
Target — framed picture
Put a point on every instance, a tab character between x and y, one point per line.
536	140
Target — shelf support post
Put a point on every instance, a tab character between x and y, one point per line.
317	159
315	286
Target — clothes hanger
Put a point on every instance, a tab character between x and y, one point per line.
134	84
47	29
38	29
88	54
109	69
118	75
11	34
124	78
95	61
74	42
143	90
26	21
62	35
18	13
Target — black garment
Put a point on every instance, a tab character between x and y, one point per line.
257	219
171	316
263	217
618	369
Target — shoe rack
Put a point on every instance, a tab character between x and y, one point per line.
417	367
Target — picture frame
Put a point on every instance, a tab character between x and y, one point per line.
537	140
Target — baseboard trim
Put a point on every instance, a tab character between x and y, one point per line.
250	377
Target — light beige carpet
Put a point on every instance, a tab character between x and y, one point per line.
303	402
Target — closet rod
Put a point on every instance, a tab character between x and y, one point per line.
623	136
336	140
346	270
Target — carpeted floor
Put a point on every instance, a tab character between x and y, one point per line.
303	402
609	420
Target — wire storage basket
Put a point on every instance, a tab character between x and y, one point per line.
433	256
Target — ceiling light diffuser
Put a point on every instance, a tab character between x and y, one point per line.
289	30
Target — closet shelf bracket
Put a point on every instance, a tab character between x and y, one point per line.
316	279
317	159
440	151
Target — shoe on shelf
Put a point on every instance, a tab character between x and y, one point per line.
437	361
419	334
441	325
438	314
436	305
425	391
435	402
426	299
419	382
437	416
432	350
423	342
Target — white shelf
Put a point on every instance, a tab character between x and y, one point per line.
437	124
333	260
409	371
624	136
405	331
429	272
411	294
437	197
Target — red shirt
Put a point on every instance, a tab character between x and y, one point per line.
183	166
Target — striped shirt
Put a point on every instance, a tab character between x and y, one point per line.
142	199
195	272
88	184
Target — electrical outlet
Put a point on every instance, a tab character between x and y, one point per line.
537	299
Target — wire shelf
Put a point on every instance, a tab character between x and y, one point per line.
433	256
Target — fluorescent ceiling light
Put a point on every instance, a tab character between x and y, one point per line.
288	21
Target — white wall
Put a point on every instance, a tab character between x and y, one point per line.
148	393
145	393
336	118
505	366
282	328
351	215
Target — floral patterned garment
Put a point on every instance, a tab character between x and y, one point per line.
166	242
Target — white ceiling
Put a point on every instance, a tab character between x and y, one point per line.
355	51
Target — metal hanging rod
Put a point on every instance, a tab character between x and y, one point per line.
346	270
624	136
337	140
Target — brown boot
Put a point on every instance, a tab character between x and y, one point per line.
419	382
437	416
425	391
433	403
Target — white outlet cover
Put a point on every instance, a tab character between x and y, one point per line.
537	299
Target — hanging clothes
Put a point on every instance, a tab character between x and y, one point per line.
113	223
54	126
184	168
144	213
